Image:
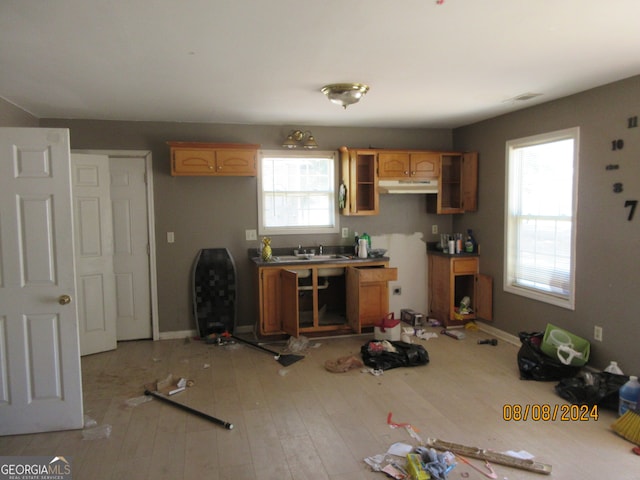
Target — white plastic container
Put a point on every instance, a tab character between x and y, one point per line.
614	368
629	394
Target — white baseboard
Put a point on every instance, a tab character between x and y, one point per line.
496	332
178	334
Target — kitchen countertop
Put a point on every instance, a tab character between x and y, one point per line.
443	254
348	260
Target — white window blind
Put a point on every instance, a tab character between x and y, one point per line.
297	192
540	217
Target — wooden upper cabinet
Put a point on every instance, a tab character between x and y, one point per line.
407	165
393	165
424	164
213	159
457	184
359	177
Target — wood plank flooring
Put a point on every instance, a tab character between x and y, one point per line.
303	422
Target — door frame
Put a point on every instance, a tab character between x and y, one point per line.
153	275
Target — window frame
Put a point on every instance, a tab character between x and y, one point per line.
510	223
299	230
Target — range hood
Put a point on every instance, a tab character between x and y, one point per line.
408	186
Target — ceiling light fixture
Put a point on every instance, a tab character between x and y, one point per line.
297	138
345	94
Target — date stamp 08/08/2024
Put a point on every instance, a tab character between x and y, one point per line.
549	413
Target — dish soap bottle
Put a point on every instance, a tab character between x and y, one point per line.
470	243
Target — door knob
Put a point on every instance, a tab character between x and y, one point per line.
64	299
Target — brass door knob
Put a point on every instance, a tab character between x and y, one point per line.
64	299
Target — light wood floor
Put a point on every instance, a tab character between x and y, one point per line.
302	422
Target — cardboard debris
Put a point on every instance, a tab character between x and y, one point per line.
169	386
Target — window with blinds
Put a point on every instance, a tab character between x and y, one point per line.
541	194
296	192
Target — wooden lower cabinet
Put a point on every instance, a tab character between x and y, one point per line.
295	300
453	277
368	295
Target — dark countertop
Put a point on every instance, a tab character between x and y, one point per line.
350	260
440	253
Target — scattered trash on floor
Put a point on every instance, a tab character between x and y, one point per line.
434	459
297	344
170	385
424	335
135	401
471	326
89	422
457	334
96	432
488	341
343	364
372	371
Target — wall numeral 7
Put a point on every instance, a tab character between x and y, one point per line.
632	204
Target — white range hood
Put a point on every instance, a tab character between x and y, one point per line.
408	186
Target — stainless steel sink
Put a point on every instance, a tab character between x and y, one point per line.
308	258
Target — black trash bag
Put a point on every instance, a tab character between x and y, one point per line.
406	355
534	364
593	388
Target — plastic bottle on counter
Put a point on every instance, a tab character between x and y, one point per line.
368	239
470	243
629	394
355	245
614	368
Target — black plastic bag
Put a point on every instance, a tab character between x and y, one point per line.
534	364
593	388
406	355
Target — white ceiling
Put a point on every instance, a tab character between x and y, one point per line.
430	63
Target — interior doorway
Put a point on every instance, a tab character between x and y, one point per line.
134	265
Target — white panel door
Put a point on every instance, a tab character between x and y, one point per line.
131	247
94	252
40	380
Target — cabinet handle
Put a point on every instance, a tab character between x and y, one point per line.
406	172
413	173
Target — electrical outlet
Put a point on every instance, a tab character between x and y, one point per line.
597	333
250	235
345	232
434	229
171	237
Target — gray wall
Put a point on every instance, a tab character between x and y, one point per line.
212	212
608	245
215	212
12	116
